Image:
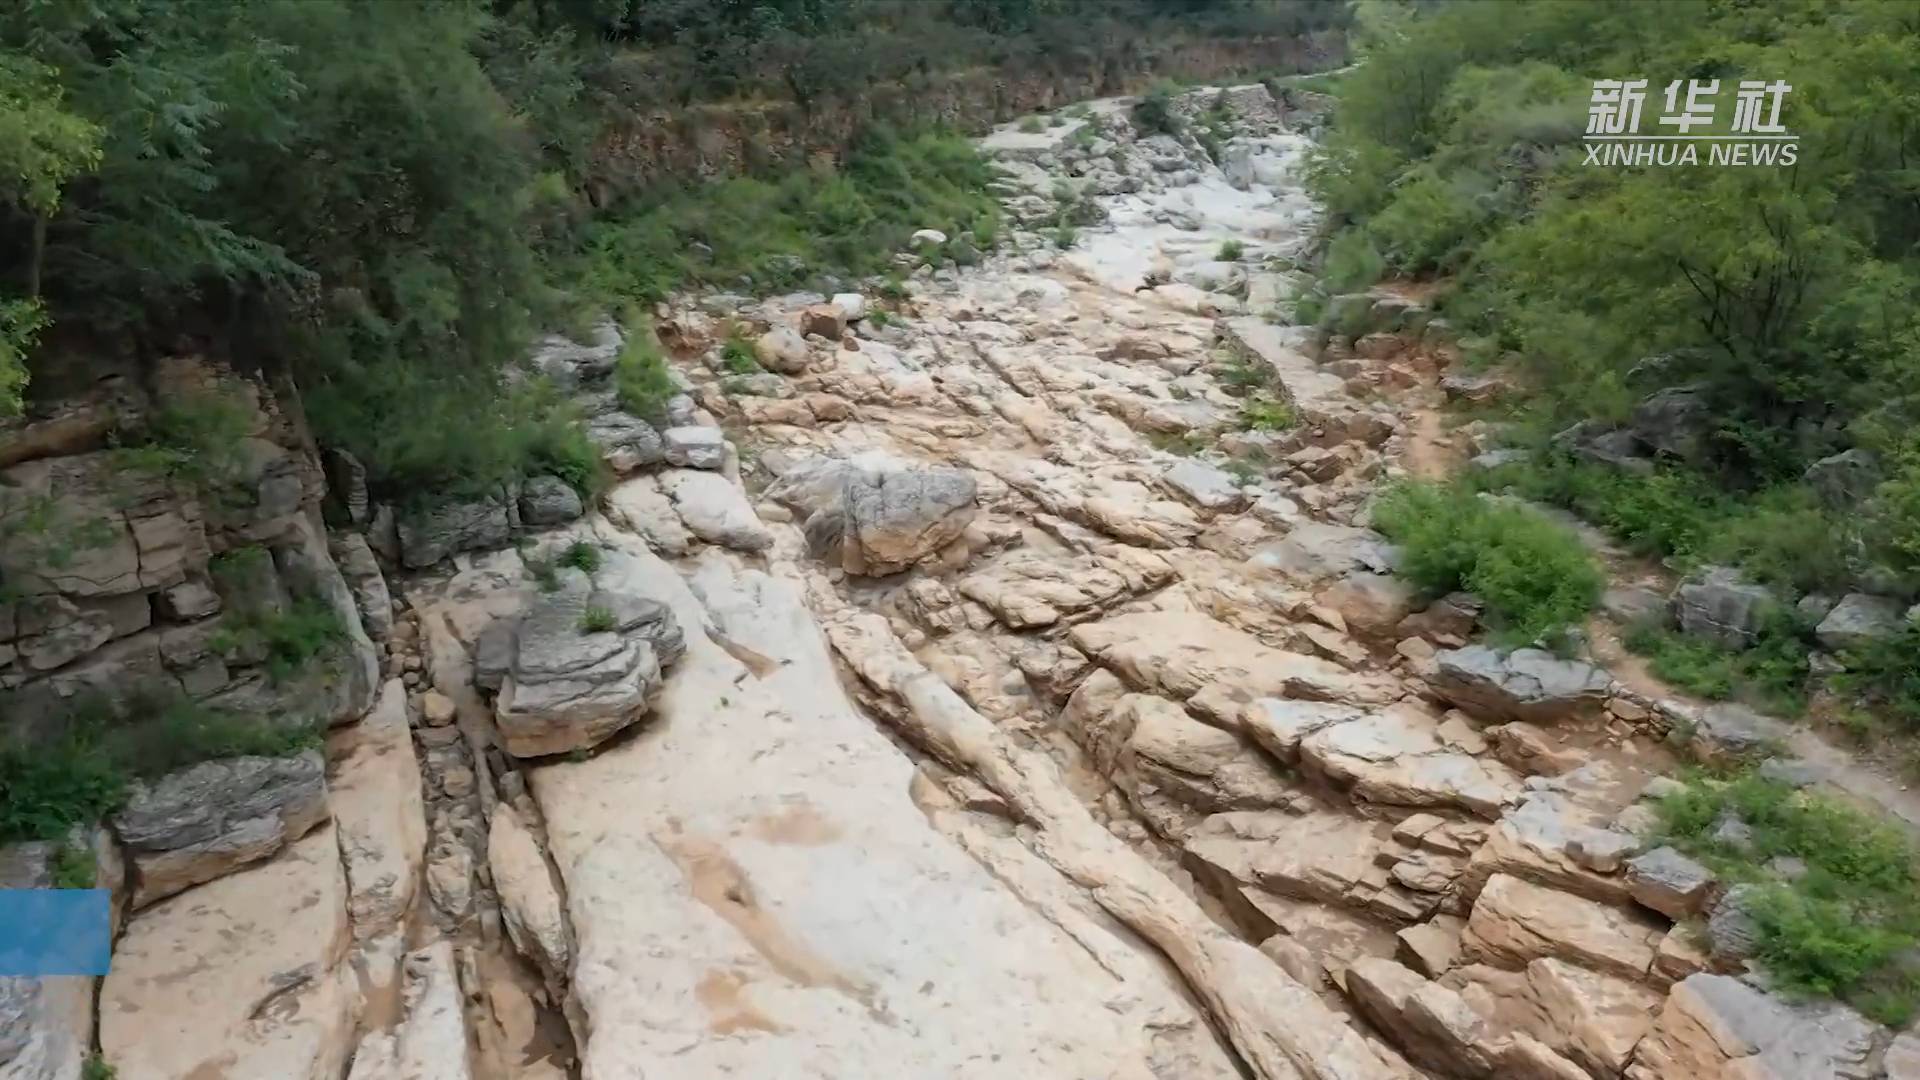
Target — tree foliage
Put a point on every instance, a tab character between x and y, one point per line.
1784	293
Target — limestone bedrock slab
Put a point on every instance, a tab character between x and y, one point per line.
775	905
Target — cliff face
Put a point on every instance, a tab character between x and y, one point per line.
150	536
717	140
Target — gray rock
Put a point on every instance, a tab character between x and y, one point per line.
426	537
1845	480
1792	772
548	500
1670	883
1729	730
1478	389
1618	449
1732	932
1315	550
1603	851
1858	619
1675	421
1494	459
1526	684
212	818
1630	605
1719	605
568	688
369	587
571	364
783	350
1732	832
346	484
876	516
1205	486
627	442
696	447
1722	1026
1815	606
493	653
192	599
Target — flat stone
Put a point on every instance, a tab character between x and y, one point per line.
1715	1025
1525	684
240	977
530	904
378	814
1857	620
1735	731
1431	948
1595	1019
1670	883
1719	605
715	509
1204	486
1515	922
207	820
695	447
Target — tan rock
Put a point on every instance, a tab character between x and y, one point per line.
1395	757
530	905
1433	947
1716	1025
378	814
1180	653
1595	1019
239	977
1204	766
1515	922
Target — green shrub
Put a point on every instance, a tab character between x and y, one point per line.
1153	114
544	571
597	620
1352	263
1533	575
1770	675
581	556
1185	443
879	318
196	438
81	771
1886	672
97	1068
73	866
1230	251
1261	414
1841	928
307	629
1032	125
737	357
1427	224
641	377
778	233
1065	236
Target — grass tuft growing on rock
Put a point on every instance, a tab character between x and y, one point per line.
640	375
581	556
1837	912
596	620
1533	575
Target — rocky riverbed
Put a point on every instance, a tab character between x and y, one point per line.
1003	680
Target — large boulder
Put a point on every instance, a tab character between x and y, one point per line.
1719	1026
1675	421
210	819
1525	684
1858	619
583	666
548	500
1719	605
1516	922
1845	480
427	536
880	516
782	350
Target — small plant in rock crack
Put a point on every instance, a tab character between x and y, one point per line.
1261	414
1231	251
581	556
543	569
737	358
73	867
597	620
96	1068
1185	443
1247	471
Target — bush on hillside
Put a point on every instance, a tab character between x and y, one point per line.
1533	575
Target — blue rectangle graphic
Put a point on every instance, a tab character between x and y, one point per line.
54	932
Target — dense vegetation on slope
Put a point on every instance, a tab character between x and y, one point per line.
1782	298
1786	292
386	199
